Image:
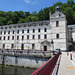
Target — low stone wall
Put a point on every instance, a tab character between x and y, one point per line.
33	60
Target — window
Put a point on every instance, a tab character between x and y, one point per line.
18	31
45	36
12	45
8	37
27	36
1	27
1	32
5	27
13	32
33	46
4	37
22	37
0	38
28	31
38	36
57	35
3	45
17	37
33	30
39	30
22	31
45	29
4	32
33	37
57	23
12	37
8	32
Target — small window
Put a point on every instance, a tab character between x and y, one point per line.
33	46
39	30
12	45
17	37
4	37
13	32
57	35
8	37
22	31
0	38
45	29
57	23
8	32
27	36
45	36
33	36
4	32
1	27
9	26
18	31
1	32
12	37
3	45
5	27
28	31
38	36
22	37
33	30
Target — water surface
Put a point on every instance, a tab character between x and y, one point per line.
9	70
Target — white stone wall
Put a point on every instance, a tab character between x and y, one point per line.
27	42
73	36
61	42
32	62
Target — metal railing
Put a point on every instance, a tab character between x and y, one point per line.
48	67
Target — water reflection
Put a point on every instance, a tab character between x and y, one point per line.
6	70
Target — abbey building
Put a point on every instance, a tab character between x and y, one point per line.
41	35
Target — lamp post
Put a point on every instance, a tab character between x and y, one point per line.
52	42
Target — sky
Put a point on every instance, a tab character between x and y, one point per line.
26	5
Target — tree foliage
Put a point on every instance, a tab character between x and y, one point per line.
7	18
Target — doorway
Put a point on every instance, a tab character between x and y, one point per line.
45	48
22	46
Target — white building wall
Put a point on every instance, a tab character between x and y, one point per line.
27	42
59	43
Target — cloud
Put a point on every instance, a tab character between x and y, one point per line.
31	1
27	1
35	2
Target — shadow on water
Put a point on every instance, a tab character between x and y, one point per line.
8	70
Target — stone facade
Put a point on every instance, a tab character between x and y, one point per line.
37	35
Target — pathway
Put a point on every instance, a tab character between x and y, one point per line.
67	66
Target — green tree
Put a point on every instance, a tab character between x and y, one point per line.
70	2
21	20
1	24
9	22
3	20
69	15
27	14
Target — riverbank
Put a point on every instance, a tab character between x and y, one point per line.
24	59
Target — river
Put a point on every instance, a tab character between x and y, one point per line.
9	70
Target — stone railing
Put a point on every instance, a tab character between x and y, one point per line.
45	54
